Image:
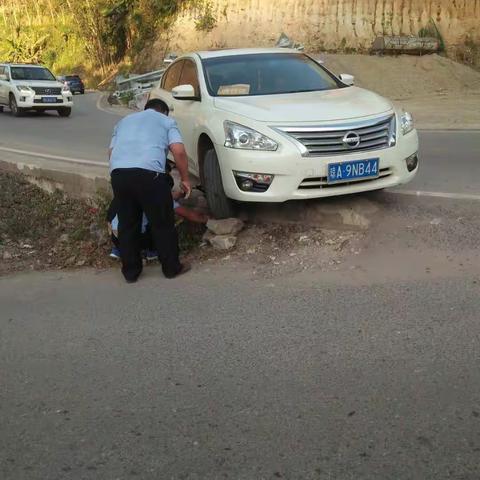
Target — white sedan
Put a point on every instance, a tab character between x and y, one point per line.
270	125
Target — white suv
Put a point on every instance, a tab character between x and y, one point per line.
270	125
33	87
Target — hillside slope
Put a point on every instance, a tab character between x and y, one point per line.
406	76
441	93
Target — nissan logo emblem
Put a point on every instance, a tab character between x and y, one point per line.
351	139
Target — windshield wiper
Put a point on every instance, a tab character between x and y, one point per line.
305	91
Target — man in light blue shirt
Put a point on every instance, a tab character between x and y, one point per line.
138	155
143	140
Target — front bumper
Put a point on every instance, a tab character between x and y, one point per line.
33	102
298	178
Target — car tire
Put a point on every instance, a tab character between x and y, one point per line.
219	204
14	108
82	92
64	112
1	109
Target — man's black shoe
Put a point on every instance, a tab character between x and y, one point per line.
184	268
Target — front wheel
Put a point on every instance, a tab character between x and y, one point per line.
65	112
219	204
16	111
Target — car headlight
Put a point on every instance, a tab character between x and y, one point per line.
238	136
25	89
406	123
65	88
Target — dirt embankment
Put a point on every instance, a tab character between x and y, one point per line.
439	92
321	25
405	76
40	230
44	231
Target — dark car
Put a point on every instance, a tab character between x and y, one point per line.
74	82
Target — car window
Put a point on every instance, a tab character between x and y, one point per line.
2	70
266	74
172	76
31	73
189	76
72	77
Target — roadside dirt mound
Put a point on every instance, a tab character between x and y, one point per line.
405	76
39	230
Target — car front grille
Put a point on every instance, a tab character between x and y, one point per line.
47	90
312	183
347	138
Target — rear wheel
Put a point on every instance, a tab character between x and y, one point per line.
220	205
64	112
16	111
1	109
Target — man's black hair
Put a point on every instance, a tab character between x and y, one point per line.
158	105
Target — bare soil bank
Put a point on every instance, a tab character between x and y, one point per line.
441	93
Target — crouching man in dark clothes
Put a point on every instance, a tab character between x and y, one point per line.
138	156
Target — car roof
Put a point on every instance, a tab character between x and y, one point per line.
34	65
243	51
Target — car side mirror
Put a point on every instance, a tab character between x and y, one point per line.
184	92
347	79
4	77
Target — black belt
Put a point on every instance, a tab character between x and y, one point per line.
140	170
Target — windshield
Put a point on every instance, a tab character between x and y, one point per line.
266	74
31	73
74	78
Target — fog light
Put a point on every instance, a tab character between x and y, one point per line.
412	162
265	178
246	184
23	99
253	182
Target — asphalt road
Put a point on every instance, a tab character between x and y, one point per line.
366	370
450	160
371	375
85	135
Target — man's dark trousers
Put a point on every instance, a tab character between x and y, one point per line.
137	190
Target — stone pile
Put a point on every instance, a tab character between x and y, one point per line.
222	234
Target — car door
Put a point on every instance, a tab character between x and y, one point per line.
169	80
3	86
178	110
187	112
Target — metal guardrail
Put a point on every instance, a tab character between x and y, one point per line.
136	88
144	79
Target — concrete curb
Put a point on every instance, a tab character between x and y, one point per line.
77	180
104	106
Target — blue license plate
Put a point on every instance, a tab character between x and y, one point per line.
49	99
354	170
